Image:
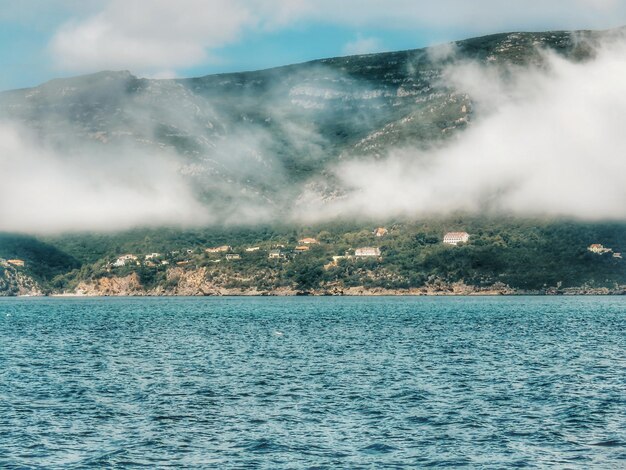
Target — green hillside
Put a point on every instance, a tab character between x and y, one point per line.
526	255
42	261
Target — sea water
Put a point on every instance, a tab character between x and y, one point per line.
313	382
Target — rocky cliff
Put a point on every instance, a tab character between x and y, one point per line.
195	282
14	282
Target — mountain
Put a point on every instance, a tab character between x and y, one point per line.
267	135
264	140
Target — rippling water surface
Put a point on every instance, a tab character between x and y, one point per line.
313	382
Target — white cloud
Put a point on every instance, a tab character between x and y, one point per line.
363	45
474	16
162	75
550	142
49	192
148	36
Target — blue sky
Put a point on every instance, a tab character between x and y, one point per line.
44	39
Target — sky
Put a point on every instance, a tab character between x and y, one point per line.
45	39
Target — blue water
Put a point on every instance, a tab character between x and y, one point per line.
313	382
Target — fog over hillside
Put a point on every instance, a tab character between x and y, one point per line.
547	140
525	124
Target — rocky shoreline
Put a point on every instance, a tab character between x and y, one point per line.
457	289
351	292
194	283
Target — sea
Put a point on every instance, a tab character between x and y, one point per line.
313	382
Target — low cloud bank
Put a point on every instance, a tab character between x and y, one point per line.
546	140
44	191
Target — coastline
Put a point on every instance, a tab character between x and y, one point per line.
195	284
350	292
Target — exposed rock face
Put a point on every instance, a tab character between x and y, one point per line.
587	290
13	282
195	282
114	286
186	282
457	288
179	282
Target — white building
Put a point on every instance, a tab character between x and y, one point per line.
152	255
454	238
124	260
366	251
275	254
16	262
598	249
253	248
218	249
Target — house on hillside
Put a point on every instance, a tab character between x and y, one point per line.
454	238
598	249
275	254
253	248
367	251
302	249
233	256
308	241
19	263
124	260
380	232
219	249
336	259
152	256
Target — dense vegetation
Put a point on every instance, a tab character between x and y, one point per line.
44	261
523	254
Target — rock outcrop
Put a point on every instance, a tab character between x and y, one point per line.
197	282
13	282
111	286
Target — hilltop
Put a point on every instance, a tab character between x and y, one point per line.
254	144
261	139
